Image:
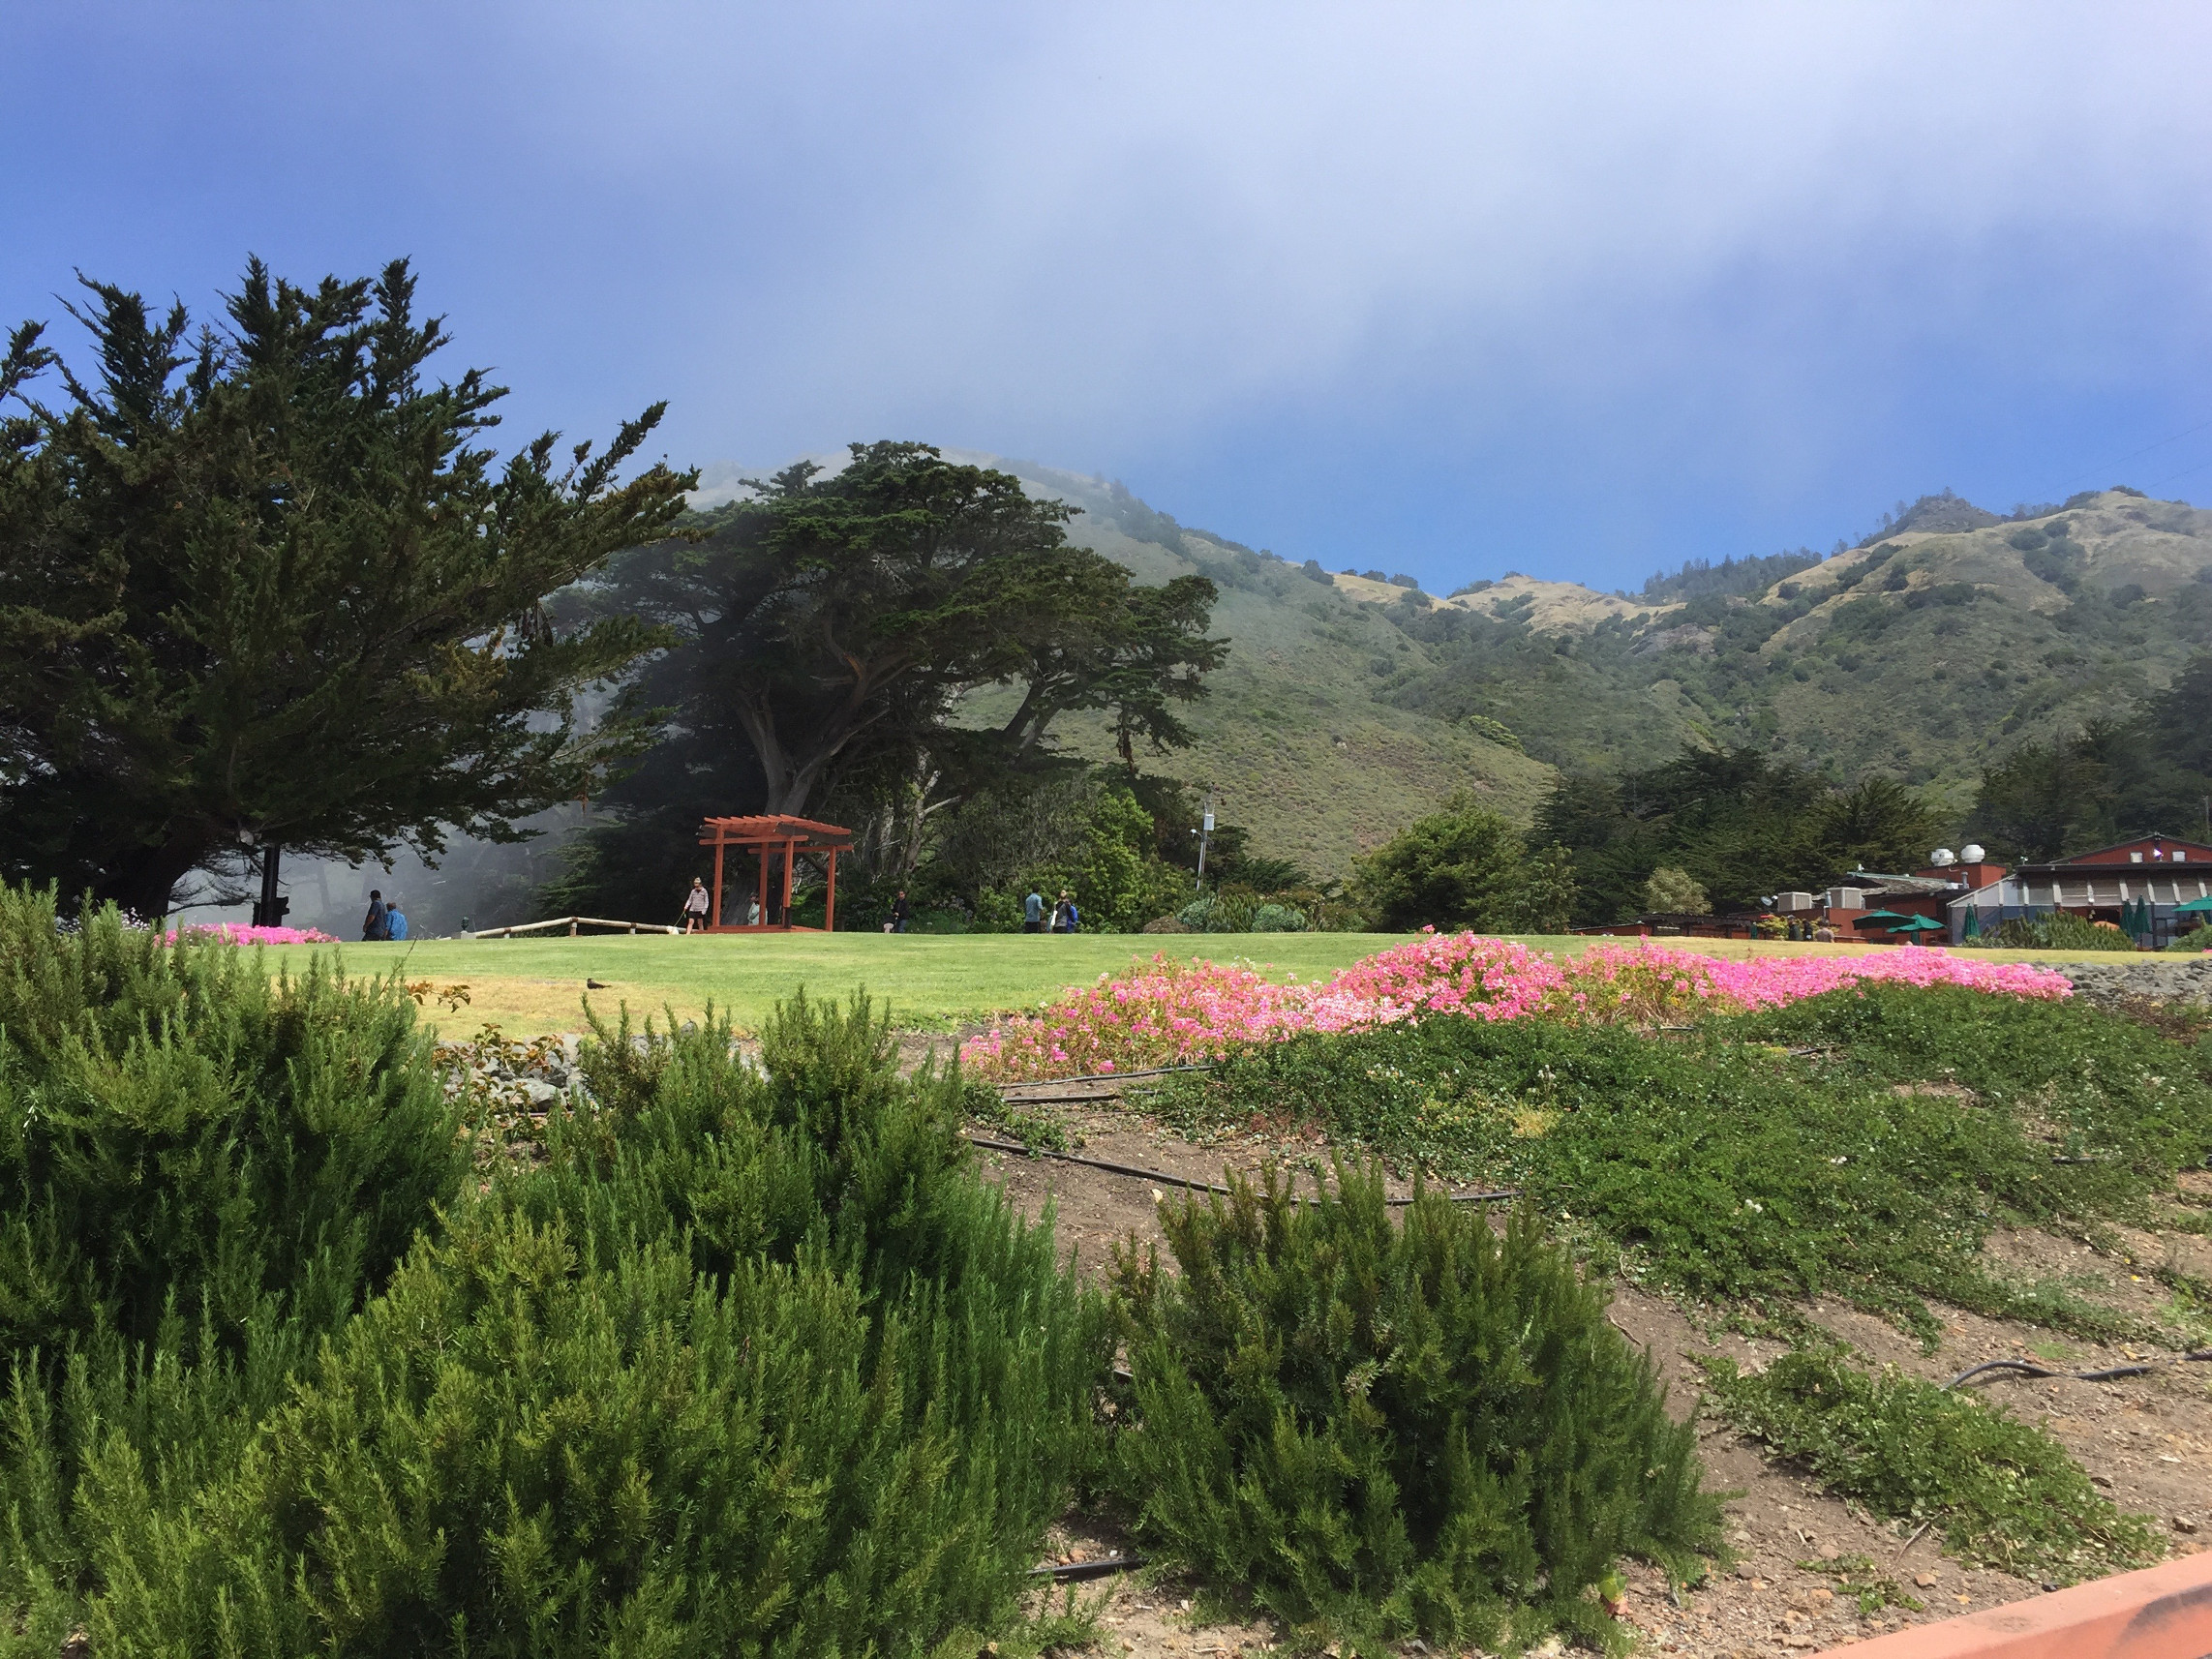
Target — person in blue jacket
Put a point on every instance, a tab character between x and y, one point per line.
395	919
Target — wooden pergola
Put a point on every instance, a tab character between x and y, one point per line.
765	837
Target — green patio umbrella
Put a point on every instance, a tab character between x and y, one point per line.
2198	904
1918	924
1973	927
1875	918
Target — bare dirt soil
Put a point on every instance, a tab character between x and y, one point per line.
2146	1440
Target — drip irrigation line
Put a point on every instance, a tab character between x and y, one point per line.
2029	1368
1063	1571
1160	1177
1059	1100
1108	1076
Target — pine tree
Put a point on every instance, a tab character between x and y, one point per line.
265	585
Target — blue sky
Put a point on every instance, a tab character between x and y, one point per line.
1575	290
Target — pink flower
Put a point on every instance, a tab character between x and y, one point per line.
1164	1012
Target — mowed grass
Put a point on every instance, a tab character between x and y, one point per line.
933	983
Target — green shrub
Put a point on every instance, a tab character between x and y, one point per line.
2005	1493
2059	930
2194	943
202	1173
997	912
753	1363
1378	1432
527	1447
184	1140
1278	918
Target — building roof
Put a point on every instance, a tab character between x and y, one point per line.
2178	848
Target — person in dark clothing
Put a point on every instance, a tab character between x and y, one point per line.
1033	913
375	925
902	912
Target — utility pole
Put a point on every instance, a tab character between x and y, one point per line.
1206	834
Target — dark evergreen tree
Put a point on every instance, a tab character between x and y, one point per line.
830	623
265	585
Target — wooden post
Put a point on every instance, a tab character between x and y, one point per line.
760	904
788	847
717	878
830	896
572	927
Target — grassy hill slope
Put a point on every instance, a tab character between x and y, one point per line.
1297	739
1925	653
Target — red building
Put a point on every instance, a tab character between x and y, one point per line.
2163	870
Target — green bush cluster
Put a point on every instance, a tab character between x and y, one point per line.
2060	930
752	1362
202	1173
1381	1433
1860	1145
1234	910
2005	1493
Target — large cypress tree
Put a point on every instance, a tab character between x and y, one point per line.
263	584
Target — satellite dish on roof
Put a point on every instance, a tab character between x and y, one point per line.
1972	853
1942	856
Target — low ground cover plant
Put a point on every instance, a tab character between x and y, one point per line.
2003	1493
1378	1432
1862	1144
1168	1012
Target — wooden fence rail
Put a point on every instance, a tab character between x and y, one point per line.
572	923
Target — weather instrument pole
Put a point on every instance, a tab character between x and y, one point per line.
1206	834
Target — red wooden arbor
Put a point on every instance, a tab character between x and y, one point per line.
766	837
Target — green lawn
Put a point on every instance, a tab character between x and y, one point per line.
933	981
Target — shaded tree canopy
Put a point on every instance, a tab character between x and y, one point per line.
2150	770
1736	822
1465	866
828	626
264	581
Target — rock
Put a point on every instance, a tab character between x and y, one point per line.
2182	1523
539	1094
1927	1580
1830	1553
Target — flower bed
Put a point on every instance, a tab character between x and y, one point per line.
1164	1013
240	933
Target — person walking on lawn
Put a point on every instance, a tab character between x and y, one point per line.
1033	913
373	924
695	907
1062	912
902	912
395	919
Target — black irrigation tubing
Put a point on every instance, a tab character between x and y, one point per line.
1163	1179
2029	1368
1062	1571
1108	1076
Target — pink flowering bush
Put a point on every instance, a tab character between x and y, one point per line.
240	933
1164	1014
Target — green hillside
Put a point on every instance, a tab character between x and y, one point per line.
1351	703
1298	738
1923	655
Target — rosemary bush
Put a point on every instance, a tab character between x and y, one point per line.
1381	1433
